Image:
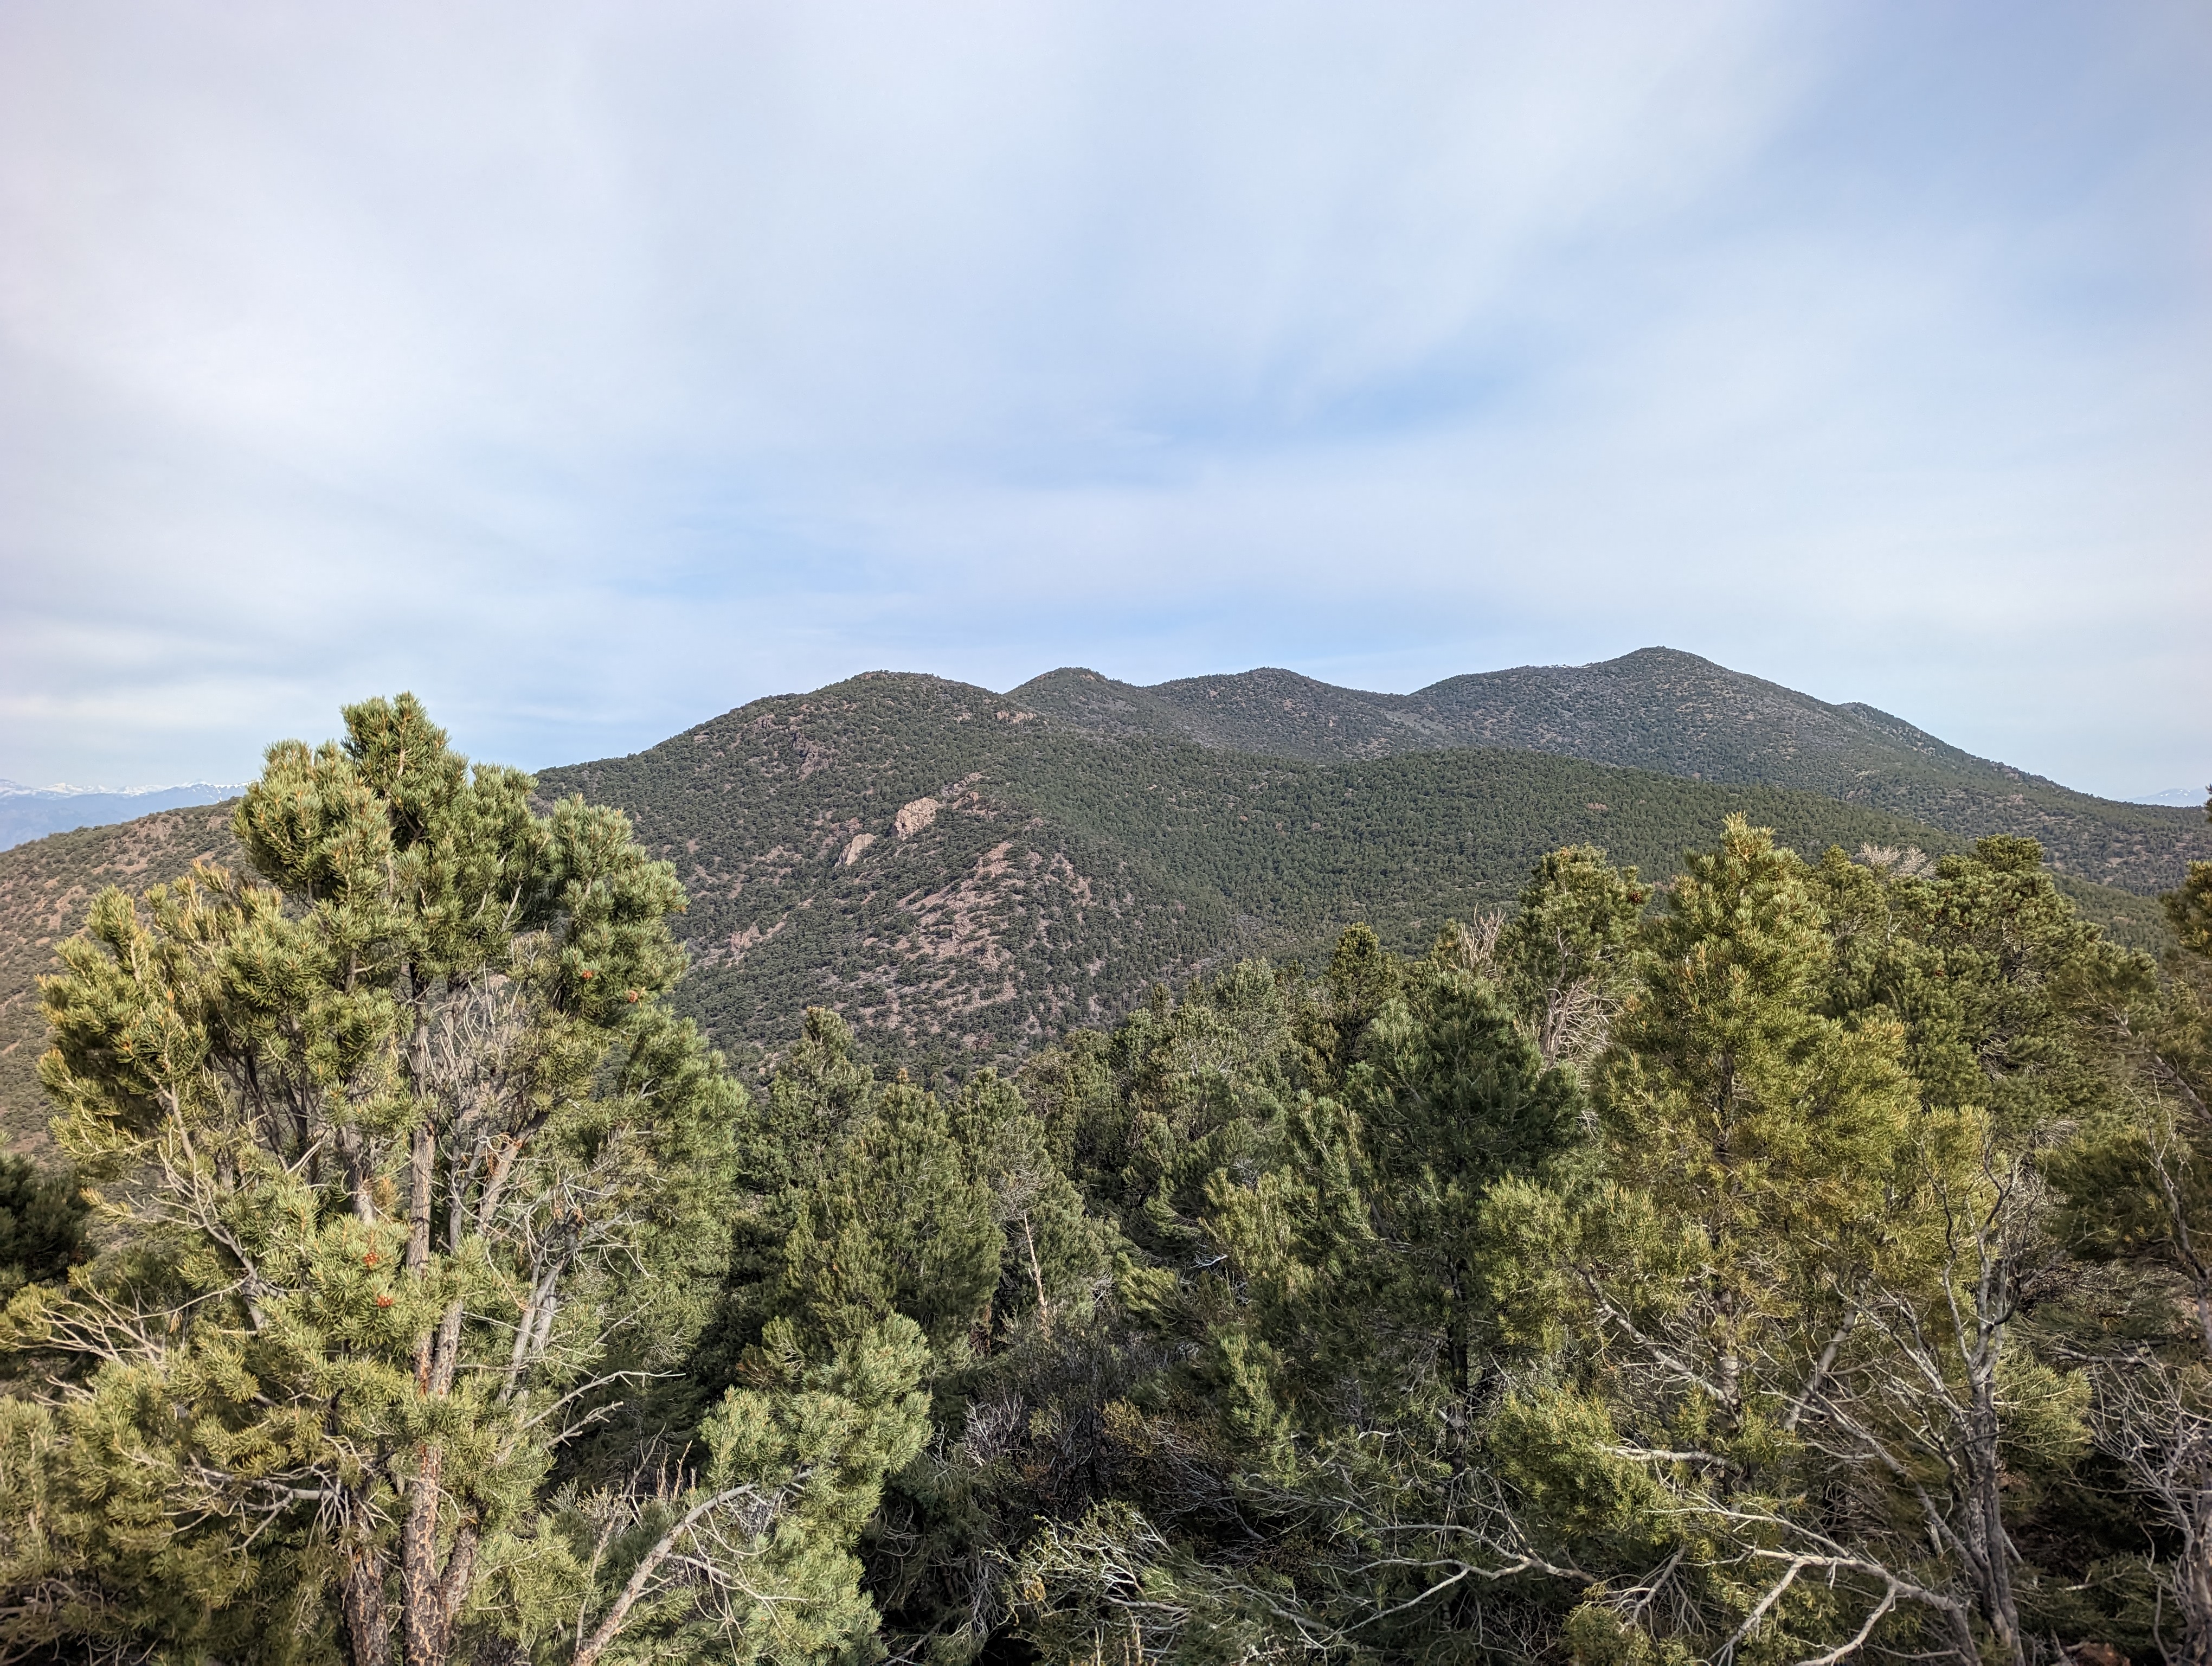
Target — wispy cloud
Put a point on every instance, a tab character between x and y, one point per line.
589	369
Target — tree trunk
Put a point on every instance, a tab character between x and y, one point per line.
1458	1411
361	1607
421	1167
426	1634
1985	1507
2192	1577
432	1598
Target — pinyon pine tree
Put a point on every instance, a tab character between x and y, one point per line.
410	1176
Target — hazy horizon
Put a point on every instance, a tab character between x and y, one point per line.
2177	796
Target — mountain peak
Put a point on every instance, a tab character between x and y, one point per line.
32	812
1655	707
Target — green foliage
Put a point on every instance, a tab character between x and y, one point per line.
2136	1183
894	1224
42	1225
1576	925
1061	871
46	888
2189	909
751	1561
1792	1261
406	1170
1052	1255
1731	1103
1773	1352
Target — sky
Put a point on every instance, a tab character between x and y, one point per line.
591	369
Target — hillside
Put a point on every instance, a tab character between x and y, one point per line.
46	886
955	868
939	861
1657	710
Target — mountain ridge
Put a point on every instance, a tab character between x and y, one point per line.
33	812
1658	708
957	868
914	851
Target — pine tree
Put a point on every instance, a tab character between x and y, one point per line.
42	1225
1052	1252
752	1559
894	1224
1565	960
410	1171
1355	1284
2000	989
1751	1146
2136	1185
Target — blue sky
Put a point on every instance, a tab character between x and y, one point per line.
590	369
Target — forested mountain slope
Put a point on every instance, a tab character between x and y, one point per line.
939	861
954	868
46	886
1794	1266
1660	709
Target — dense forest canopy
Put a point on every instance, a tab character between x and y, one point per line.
1785	1258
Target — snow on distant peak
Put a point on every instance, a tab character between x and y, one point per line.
61	789
2188	797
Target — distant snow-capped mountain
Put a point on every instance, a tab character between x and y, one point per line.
2187	796
61	789
32	812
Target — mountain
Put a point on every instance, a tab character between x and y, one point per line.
948	866
2188	797
46	886
1661	710
32	812
972	871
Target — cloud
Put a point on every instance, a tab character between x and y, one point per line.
592	368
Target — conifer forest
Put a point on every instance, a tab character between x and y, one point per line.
1793	1250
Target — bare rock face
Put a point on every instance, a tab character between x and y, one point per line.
913	817
858	847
